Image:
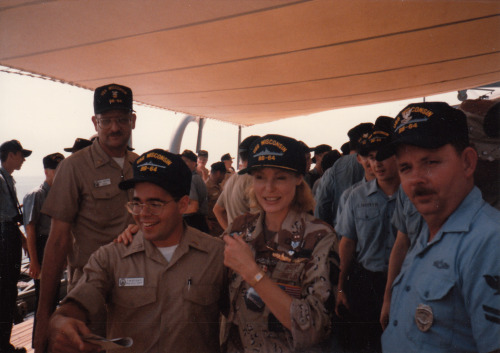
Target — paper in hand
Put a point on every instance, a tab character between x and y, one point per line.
114	343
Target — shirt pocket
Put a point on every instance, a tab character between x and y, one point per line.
202	294
108	202
366	213
134	297
437	292
434	288
201	301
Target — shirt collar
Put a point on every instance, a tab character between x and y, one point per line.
372	186
188	240
461	218
101	158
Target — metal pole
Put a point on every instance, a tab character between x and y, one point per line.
175	145
201	124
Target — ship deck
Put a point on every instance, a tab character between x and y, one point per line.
21	334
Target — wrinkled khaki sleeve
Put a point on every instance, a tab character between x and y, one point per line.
95	285
311	320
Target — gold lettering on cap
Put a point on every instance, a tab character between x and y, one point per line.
274	143
158	156
118	88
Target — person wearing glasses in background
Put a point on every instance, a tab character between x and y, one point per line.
167	289
85	203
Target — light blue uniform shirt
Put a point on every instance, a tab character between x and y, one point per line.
366	219
32	206
457	276
345	196
406	218
345	172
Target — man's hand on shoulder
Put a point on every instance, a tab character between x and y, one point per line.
127	235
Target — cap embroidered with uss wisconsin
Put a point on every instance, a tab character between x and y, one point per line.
276	151
427	125
112	96
165	169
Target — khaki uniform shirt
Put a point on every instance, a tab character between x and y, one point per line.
163	306
302	259
85	193
213	192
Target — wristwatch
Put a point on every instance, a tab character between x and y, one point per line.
256	279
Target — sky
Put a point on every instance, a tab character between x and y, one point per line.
47	116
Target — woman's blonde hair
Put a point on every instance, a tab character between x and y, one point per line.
302	202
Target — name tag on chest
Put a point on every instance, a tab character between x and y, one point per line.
102	182
131	282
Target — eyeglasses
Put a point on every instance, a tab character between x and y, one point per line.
153	207
105	123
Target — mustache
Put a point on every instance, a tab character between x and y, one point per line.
116	134
422	191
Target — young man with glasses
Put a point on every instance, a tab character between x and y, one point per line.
85	203
167	289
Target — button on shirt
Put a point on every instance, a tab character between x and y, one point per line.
456	275
8	210
367	220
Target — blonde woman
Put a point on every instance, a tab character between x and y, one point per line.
282	259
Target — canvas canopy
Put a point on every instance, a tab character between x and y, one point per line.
254	61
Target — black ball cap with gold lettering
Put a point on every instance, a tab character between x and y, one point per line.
276	151
165	169
427	125
112	96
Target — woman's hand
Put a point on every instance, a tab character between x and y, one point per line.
239	257
127	235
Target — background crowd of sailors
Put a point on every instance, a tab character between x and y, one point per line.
388	246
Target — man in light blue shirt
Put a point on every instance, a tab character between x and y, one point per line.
367	240
446	297
345	172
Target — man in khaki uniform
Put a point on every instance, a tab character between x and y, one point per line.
233	201
214	189
85	203
165	290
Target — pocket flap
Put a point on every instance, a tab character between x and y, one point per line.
435	288
366	213
203	294
134	297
